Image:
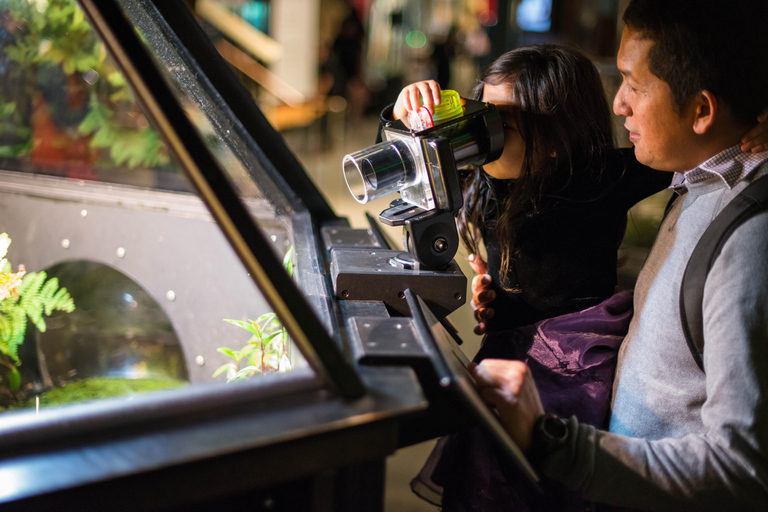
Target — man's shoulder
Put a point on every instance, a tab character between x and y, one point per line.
744	253
749	240
752	232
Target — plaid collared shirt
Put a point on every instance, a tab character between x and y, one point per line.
731	165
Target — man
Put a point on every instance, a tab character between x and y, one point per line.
695	76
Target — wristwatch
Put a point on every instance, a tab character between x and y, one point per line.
549	434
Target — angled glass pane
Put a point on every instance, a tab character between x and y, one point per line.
185	104
66	110
268	198
116	280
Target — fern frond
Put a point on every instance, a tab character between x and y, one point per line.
13	326
62	301
39	297
32	301
35	297
6	332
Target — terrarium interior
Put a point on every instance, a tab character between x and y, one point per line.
92	197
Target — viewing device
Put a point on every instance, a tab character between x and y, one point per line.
423	167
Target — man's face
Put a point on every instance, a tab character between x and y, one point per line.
661	136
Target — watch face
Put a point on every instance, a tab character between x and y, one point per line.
555	428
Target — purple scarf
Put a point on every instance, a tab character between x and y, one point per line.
572	359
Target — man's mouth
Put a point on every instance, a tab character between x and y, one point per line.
633	136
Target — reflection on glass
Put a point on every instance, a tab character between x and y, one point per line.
65	109
140	289
238	155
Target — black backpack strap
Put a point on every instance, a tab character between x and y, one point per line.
671	201
749	202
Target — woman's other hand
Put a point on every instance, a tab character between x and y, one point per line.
756	139
413	96
508	387
482	294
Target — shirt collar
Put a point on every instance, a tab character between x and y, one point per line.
731	165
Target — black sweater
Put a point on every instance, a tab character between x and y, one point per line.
565	259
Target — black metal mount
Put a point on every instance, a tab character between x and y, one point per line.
429	236
362	272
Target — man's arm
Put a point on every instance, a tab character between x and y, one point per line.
724	467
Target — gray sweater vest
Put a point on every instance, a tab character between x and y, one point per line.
680	438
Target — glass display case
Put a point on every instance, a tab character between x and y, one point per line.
170	332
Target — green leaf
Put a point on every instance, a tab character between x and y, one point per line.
266	318
288	261
96	118
247	326
221	369
7	109
245	371
249	349
14	379
116	79
256	361
228	352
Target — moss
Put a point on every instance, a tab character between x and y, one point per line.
99	388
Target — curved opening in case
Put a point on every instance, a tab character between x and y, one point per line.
117	341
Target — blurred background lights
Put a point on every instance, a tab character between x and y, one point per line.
90	76
416	39
535	15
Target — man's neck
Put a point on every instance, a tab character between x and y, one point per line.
714	143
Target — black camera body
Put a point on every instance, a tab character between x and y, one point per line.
423	167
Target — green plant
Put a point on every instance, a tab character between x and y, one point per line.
47	34
12	122
24	296
127	146
266	350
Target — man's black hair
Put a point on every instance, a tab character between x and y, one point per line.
715	45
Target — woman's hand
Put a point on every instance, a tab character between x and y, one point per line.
482	295
756	139
412	97
508	387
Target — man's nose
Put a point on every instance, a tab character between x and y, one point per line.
620	107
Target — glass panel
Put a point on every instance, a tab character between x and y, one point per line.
115	279
238	155
271	201
66	110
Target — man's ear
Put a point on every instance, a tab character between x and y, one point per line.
705	112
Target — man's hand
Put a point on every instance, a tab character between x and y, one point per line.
412	97
508	387
482	295
756	139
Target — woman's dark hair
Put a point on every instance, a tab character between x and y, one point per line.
563	119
